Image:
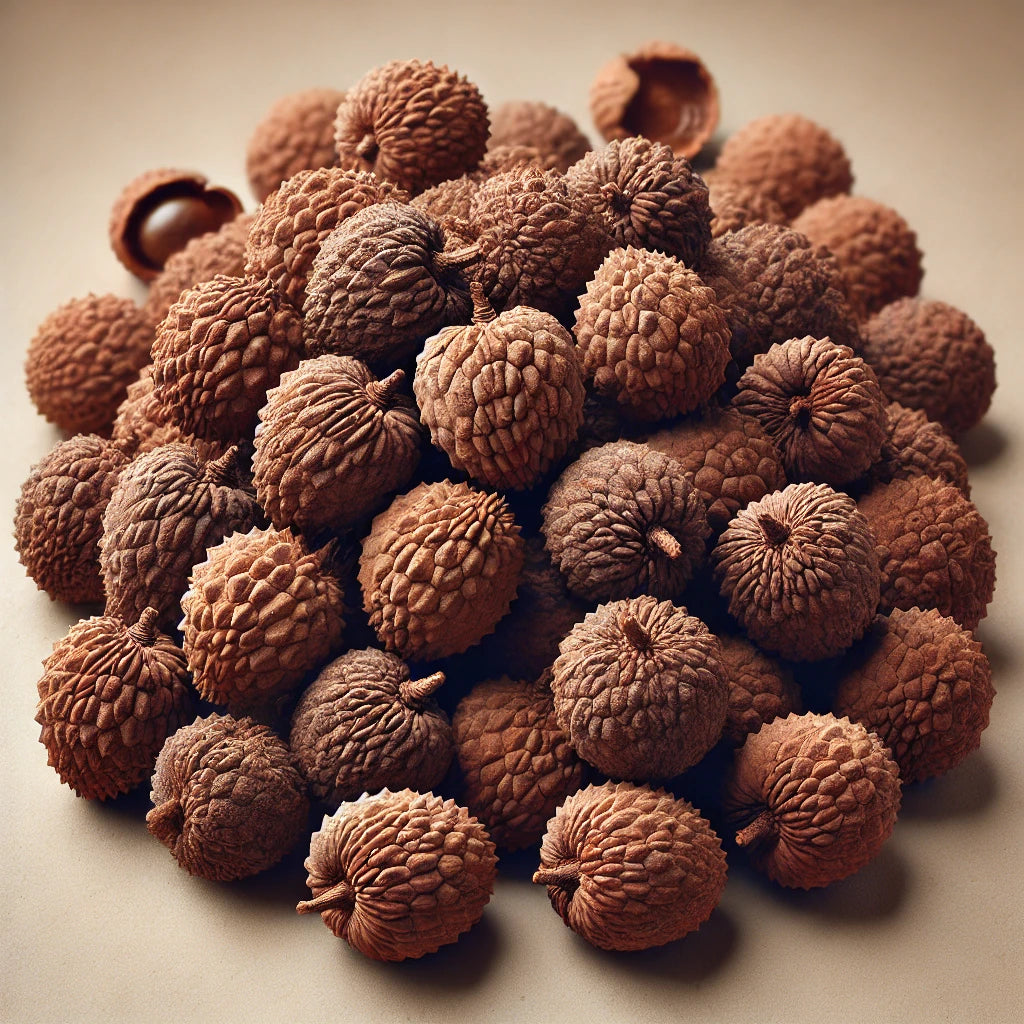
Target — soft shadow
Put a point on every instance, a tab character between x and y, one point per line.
878	890
133	806
691	959
982	444
282	885
708	154
1001	656
966	791
519	865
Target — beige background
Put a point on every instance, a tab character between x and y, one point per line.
97	921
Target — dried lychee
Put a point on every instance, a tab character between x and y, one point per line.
735	205
630	867
554	136
813	797
398	875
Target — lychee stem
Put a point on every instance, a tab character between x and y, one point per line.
222	470
775	533
144	631
566	873
635	633
664	542
483	311
415	691
382	392
166	820
449	259
800	408
762	827
340	896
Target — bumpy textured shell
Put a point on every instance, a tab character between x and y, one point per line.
295	134
923	685
398	875
554	135
439	569
934	548
499	159
82	358
449	201
761	689
58	516
914	445
651	335
412	123
109	696
800	571
735	205
623	520
228	801
815	797
820	404
630	867
727	457
223	345
166	509
788	158
291	225
640	689
661	91
503	396
364	725
931	356
152	193
876	250
261	611
774	285
650	198
333	443
380	285
538	237
216	252
515	761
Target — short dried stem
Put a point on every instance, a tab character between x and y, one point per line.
635	633
664	542
449	259
800	408
339	897
166	821
414	692
566	874
775	533
761	828
223	471
144	631
382	392
483	311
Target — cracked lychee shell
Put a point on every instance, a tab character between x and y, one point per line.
109	696
922	684
813	797
398	875
630	867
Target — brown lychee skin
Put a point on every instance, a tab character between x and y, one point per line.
555	136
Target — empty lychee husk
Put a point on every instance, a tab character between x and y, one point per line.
333	444
502	396
58	516
227	799
82	358
649	197
800	571
651	335
640	689
931	356
412	123
109	696
813	798
820	404
661	91
160	211
630	867
922	684
727	457
261	612
364	724
933	546
398	875
554	135
624	520
295	134
515	762
439	569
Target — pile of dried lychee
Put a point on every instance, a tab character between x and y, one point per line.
488	491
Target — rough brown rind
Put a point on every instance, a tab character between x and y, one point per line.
554	135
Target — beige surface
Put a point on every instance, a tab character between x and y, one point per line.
97	921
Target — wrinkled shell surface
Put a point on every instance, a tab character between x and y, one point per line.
554	135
